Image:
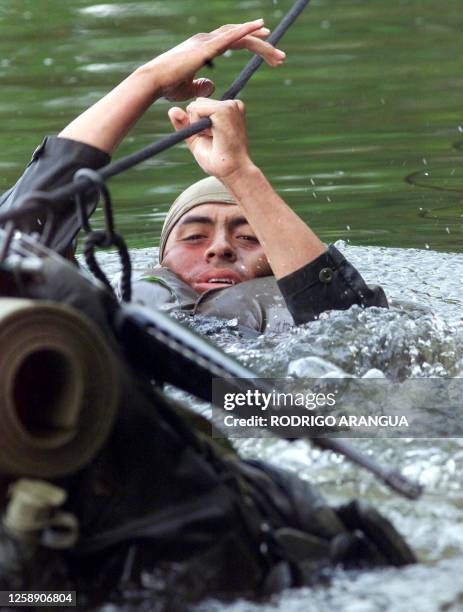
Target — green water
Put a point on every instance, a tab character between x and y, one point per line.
371	92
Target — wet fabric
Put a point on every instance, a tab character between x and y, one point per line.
329	282
255	305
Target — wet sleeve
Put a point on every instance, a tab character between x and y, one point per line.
53	164
329	282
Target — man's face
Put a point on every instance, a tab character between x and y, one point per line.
213	246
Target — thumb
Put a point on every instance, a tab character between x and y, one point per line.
178	118
202	88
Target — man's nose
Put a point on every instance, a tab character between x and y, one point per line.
220	248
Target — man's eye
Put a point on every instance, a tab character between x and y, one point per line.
249	238
194	237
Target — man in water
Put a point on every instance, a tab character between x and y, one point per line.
163	508
224	231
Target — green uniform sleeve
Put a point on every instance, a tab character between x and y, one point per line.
329	282
53	164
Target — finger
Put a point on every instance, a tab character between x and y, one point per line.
225	28
273	57
196	112
202	88
194	115
200	109
203	107
219	112
262	33
209	106
224	37
180	119
229	27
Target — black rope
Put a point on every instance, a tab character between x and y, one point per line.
94	239
126	264
98	238
103	239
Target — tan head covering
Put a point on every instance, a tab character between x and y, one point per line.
205	191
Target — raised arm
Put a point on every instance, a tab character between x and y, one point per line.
92	137
171	75
288	242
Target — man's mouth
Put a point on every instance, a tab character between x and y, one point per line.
221	281
217	279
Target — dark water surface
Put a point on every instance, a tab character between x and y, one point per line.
371	94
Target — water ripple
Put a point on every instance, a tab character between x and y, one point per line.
134	9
